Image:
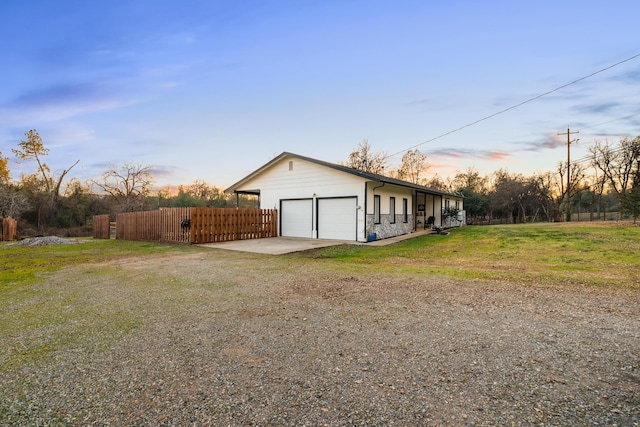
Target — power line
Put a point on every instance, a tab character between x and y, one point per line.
614	150
516	105
590	157
610	121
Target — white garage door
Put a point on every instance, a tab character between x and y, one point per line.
296	218
337	218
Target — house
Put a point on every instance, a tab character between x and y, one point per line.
322	200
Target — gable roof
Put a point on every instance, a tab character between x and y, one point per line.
365	175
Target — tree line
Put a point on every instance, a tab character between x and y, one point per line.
44	202
607	185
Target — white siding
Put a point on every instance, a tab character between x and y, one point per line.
386	192
307	180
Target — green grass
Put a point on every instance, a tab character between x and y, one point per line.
587	254
584	252
22	264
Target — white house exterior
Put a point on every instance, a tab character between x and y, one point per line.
316	199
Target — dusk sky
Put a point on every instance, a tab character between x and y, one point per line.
212	90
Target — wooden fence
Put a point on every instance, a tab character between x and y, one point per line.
221	225
195	225
8	229
101	229
166	225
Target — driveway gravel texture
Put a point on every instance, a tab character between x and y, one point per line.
215	338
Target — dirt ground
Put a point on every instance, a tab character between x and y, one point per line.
221	338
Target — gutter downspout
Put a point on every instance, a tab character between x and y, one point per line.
364	232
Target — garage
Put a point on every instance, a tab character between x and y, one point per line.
296	218
338	218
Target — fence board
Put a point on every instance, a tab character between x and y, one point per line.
8	229
101	227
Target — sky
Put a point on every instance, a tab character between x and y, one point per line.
212	90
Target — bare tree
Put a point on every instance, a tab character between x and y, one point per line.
617	165
364	159
549	190
12	202
414	163
128	185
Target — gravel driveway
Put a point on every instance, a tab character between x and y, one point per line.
220	338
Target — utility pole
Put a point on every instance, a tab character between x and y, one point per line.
567	195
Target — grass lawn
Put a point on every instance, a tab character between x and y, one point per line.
585	253
606	254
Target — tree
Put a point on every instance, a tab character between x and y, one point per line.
618	165
630	199
212	196
549	193
187	199
473	187
44	187
128	185
365	160
413	164
630	203
510	196
12	202
437	183
4	169
470	180
77	205
33	149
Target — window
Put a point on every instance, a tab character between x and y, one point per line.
392	210
405	210
291	165
458	204
447	203
376	209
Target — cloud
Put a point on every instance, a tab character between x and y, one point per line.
548	142
469	154
60	101
70	134
59	93
166	171
632	77
596	108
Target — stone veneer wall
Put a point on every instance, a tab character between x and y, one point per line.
386	229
